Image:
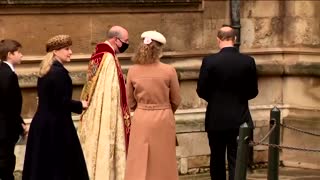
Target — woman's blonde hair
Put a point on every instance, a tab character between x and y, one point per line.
46	64
147	53
55	43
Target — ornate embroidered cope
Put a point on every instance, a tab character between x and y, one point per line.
93	72
105	126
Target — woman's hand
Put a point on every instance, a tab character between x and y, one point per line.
85	104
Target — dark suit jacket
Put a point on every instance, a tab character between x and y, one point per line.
10	105
227	81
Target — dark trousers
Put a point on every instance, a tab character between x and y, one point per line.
7	161
220	142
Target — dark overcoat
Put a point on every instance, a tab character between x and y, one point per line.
10	118
10	106
53	149
227	80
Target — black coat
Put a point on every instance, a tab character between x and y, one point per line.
53	149
227	81
10	106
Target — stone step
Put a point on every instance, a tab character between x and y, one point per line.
259	174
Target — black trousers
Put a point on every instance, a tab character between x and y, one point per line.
7	161
220	142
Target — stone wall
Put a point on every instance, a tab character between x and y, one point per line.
283	37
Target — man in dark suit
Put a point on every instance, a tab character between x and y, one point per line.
227	81
11	123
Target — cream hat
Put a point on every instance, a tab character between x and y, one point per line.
153	35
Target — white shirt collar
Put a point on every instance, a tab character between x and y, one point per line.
10	65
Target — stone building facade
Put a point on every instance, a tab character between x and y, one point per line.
283	37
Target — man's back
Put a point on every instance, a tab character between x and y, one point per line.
227	81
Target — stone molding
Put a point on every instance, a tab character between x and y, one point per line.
95	2
15	7
300	164
195	117
270	62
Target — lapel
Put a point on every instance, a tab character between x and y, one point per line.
5	67
15	88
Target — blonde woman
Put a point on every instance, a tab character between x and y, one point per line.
53	148
153	95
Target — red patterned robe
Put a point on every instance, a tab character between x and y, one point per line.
105	126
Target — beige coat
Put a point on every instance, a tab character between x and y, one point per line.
154	95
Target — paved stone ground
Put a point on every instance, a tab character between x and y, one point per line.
259	174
